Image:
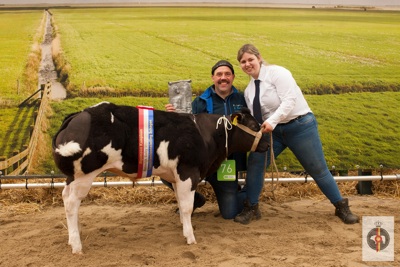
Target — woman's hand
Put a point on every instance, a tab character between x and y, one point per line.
170	108
266	127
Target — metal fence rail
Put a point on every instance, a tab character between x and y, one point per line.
105	183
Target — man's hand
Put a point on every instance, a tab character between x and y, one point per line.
170	108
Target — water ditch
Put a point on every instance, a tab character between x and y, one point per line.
47	70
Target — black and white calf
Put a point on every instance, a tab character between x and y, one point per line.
187	148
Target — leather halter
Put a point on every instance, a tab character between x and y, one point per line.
257	135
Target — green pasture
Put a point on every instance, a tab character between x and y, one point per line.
356	128
15	132
17	32
138	50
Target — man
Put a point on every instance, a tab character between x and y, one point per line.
221	98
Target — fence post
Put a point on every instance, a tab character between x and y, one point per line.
4	171
364	187
333	171
42	87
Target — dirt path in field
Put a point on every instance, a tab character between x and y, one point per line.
297	233
47	70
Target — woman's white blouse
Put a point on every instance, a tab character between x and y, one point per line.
280	97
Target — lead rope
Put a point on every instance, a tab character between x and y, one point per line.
273	166
227	126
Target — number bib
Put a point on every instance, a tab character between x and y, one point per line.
227	171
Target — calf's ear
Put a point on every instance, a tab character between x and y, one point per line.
237	117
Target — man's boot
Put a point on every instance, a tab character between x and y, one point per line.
344	213
248	213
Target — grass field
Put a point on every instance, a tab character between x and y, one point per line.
138	50
18	32
16	135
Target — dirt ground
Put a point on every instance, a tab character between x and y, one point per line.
295	233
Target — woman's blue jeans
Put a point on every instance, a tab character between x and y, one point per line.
302	138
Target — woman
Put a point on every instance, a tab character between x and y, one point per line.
285	113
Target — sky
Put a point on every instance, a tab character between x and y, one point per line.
306	2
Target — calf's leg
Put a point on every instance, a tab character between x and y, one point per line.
185	198
72	197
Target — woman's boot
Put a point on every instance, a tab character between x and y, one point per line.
344	213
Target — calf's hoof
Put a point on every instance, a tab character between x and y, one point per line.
191	241
77	251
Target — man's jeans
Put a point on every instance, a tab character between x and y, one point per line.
230	202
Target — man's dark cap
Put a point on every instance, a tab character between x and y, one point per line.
220	64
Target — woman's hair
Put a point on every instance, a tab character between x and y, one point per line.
251	49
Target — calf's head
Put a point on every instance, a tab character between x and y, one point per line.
246	135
